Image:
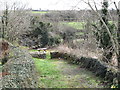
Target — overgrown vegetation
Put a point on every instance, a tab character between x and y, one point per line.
68	31
40	34
102	35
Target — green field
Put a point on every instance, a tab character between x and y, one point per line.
76	25
79	25
39	12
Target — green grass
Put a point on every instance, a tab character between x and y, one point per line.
45	67
80	33
39	12
112	22
79	25
23	47
50	77
51	74
33	50
76	25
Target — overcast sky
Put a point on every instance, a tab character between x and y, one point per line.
58	4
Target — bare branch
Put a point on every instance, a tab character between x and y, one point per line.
111	37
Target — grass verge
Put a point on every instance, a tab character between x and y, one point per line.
50	76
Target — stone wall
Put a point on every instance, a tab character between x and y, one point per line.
19	70
37	54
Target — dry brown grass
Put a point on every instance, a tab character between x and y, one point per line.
4	48
87	50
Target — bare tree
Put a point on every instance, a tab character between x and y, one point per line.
118	33
15	20
113	39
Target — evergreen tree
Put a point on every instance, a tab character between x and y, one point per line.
102	35
105	40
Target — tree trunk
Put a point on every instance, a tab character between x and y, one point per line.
118	35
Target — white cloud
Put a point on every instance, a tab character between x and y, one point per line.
64	4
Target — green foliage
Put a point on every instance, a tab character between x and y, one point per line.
67	33
102	35
54	40
105	40
42	32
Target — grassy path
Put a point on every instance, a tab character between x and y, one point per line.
60	74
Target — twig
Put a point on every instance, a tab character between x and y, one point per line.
111	37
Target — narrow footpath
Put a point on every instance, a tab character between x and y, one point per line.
57	73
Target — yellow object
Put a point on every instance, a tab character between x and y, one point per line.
113	86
